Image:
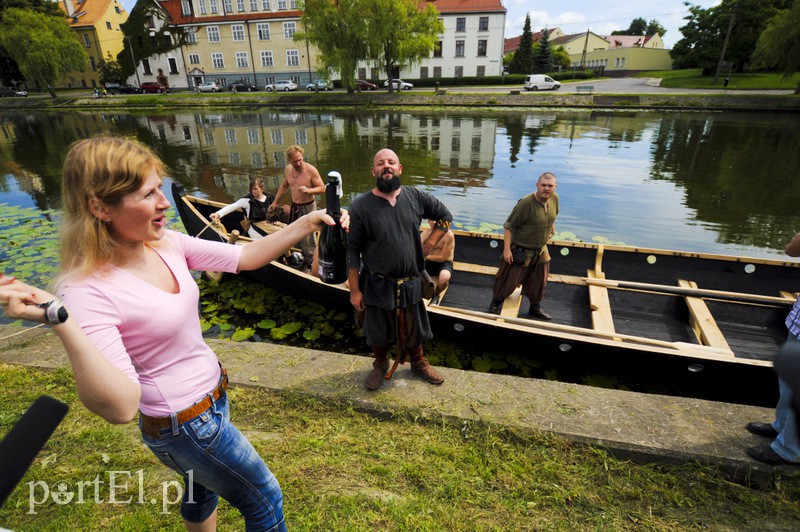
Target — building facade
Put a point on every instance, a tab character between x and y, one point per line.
247	40
96	24
616	55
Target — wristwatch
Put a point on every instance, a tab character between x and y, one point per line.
54	311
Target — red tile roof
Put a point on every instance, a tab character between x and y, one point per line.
173	8
467	6
511	44
90	11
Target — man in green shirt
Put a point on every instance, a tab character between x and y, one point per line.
526	261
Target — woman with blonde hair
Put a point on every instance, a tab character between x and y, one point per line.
127	316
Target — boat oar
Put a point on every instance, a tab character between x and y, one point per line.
737	297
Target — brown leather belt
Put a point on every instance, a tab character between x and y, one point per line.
152	426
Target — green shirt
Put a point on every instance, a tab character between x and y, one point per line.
529	223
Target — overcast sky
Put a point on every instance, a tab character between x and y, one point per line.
600	16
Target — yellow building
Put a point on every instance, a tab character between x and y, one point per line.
616	55
97	25
248	40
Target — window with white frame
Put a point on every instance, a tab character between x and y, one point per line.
483	24
186	8
289	29
459	48
202	4
86	40
269	80
194	59
237	30
459	71
256	160
146	67
301	137
214	8
281	5
209	136
437	72
292	58
241	60
266	58
437	49
191	36
213	33
293	4
482	48
234	158
263	31
173	65
253	5
240	6
217	60
480	71
230	137
252	135
228	4
265	5
280	159
277	136
461	24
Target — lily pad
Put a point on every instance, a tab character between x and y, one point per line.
243	334
311	334
481	364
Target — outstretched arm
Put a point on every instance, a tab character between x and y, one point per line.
103	388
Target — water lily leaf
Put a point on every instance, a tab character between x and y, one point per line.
311	334
204	325
225	326
306	310
243	334
481	364
277	334
266	324
291	328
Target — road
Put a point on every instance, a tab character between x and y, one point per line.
623	86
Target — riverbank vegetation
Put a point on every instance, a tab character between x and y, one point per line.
341	469
694	79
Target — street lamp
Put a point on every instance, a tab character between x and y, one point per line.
133	60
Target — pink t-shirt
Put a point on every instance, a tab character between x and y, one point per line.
153	336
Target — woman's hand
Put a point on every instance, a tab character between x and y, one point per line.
19	300
344	220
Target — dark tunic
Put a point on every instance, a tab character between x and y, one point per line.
384	242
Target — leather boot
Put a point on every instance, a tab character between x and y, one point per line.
421	368
379	368
537	313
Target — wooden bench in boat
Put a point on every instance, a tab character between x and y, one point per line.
702	321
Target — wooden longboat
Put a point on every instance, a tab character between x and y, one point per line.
640	305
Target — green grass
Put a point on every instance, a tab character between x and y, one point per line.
693	79
341	469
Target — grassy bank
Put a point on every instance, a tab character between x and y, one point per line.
344	470
693	79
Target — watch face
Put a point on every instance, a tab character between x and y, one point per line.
62	314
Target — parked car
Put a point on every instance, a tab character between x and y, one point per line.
320	85
153	87
8	92
536	82
281	85
242	86
398	84
126	88
365	85
209	86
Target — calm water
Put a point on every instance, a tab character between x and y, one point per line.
717	182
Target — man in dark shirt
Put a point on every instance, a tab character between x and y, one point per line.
385	258
526	261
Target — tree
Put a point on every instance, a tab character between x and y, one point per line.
542	60
400	31
340	32
705	30
654	27
560	57
110	71
778	45
44	46
522	63
9	69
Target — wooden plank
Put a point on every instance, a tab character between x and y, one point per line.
474	268
512	303
702	321
791	296
602	319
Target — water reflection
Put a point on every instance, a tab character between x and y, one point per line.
723	182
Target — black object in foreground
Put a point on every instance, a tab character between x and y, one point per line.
25	439
333	239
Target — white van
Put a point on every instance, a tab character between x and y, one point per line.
536	82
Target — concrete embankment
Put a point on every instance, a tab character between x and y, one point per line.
643	427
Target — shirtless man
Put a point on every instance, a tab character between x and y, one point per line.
439	262
304	182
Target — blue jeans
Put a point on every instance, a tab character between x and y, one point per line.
787	444
222	463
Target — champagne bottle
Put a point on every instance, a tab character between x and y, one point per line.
333	239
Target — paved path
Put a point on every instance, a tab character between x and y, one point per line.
649	428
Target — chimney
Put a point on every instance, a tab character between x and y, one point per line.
69	7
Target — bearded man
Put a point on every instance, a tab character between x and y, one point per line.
385	258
